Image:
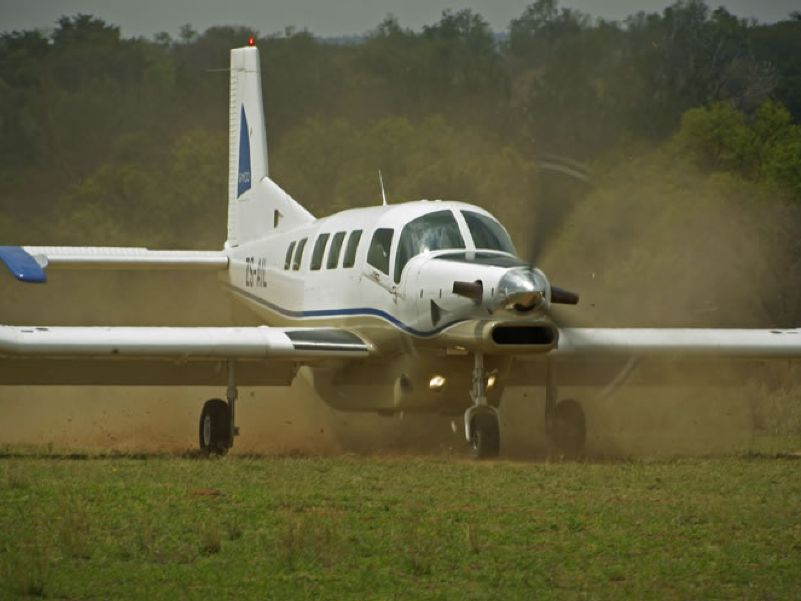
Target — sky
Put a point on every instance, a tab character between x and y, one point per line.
325	17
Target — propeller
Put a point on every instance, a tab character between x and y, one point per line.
552	211
525	288
555	203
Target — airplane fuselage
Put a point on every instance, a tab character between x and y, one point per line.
388	273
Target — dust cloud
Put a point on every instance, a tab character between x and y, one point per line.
652	245
159	420
282	420
658	243
144	419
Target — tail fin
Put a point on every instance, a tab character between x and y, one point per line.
257	206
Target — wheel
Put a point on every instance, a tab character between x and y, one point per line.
569	429
215	427
485	436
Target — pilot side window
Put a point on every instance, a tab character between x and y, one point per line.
434	231
352	247
319	250
378	255
298	254
288	259
336	248
488	233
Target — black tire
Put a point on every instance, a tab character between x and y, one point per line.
485	436
569	429
215	428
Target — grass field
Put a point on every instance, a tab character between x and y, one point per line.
353	527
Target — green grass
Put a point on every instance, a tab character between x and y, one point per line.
398	528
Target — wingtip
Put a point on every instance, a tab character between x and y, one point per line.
22	265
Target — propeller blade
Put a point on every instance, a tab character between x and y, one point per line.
472	290
562	183
561	296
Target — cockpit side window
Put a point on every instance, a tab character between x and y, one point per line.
488	233
378	255
434	231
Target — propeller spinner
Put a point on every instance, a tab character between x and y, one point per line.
522	289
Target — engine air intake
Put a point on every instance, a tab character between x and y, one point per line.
529	335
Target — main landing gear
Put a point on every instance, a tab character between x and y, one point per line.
217	420
565	425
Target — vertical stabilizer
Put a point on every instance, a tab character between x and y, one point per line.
257	206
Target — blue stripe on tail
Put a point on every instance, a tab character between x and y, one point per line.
243	179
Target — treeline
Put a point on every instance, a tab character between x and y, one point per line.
113	140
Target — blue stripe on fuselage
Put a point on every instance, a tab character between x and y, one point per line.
368	311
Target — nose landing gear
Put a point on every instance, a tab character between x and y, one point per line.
565	424
481	421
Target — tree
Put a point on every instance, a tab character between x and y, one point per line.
765	147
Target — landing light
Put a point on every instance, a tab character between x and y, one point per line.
491	381
436	383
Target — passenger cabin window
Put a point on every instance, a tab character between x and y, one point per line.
378	255
319	250
288	259
434	231
336	248
488	233
298	254
351	248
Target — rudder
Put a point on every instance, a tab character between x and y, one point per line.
257	206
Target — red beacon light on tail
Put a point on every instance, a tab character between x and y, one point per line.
251	41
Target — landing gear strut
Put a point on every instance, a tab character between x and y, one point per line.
565	425
481	421
217	420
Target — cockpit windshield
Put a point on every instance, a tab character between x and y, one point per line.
433	231
487	233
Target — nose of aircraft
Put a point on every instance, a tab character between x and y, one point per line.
522	289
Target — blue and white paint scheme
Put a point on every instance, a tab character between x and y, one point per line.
422	306
243	173
22	264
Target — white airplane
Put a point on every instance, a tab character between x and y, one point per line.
416	307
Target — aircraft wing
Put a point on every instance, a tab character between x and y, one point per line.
679	342
610	357
28	263
167	355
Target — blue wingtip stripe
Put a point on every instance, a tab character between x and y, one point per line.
22	265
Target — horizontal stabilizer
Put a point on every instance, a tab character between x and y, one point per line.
28	263
22	265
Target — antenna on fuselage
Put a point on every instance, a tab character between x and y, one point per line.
383	194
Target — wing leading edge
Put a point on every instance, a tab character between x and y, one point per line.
611	357
166	355
679	342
